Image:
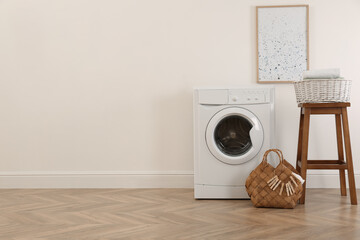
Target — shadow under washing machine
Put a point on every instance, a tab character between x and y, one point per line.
233	127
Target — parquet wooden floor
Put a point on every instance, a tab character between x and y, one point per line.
87	214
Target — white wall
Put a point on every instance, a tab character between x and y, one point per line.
99	93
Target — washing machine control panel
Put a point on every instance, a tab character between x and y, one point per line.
248	96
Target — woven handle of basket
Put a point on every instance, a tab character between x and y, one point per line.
277	151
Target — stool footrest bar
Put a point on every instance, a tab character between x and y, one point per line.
327	166
325	162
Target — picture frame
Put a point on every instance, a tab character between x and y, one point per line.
282	43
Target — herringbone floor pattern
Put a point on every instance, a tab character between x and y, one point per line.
87	214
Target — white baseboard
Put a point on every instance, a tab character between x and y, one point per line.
131	179
97	179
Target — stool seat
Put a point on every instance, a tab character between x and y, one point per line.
342	130
327	105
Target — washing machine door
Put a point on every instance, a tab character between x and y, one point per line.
234	135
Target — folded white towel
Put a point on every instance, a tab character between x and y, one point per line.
330	73
340	78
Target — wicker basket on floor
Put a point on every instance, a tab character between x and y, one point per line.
266	192
322	90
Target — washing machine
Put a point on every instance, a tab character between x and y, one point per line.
233	127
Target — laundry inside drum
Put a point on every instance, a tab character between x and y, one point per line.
232	135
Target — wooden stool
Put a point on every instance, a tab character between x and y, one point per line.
303	164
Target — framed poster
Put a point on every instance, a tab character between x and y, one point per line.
282	35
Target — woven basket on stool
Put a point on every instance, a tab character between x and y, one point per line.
322	90
263	194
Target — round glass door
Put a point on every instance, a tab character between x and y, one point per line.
234	135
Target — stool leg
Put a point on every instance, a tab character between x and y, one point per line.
298	157
304	150
349	161
340	148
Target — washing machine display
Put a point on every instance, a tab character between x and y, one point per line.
234	135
